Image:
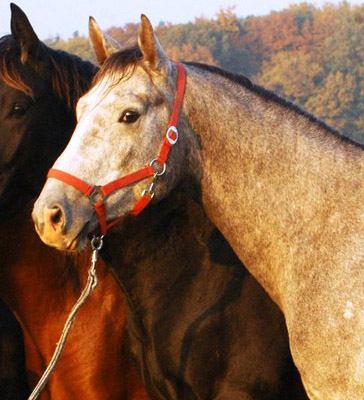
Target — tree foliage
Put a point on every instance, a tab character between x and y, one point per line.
313	56
78	45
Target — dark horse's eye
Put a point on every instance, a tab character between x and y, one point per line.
19	109
129	117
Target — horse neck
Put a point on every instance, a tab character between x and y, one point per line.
273	180
41	285
37	282
164	259
138	259
169	246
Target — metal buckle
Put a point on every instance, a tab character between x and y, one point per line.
170	140
158	173
95	195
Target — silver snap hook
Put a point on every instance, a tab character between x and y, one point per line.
97	242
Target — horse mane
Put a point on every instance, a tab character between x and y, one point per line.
70	76
272	96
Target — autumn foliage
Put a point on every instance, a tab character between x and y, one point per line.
312	56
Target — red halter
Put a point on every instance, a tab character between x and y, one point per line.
169	141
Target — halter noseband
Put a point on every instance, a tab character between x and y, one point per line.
169	141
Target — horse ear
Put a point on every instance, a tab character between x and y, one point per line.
102	44
152	50
23	33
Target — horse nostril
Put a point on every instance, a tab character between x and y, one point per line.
55	217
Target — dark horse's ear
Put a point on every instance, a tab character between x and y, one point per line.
153	52
103	45
23	34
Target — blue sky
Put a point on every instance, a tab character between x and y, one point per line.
63	17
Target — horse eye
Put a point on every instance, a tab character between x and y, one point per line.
19	109
129	117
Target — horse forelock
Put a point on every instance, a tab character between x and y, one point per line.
10	66
68	75
119	65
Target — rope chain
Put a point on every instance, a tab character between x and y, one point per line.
96	245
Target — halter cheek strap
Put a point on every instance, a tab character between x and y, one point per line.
101	192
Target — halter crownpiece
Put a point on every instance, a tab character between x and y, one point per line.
94	192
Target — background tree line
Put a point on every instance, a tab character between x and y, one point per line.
312	56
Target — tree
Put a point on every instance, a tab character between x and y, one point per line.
77	45
294	75
188	52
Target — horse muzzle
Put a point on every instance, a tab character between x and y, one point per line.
62	223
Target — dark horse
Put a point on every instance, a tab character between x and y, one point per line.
199	326
39	88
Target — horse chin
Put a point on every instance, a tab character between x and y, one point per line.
75	246
79	242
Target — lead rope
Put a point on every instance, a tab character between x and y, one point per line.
96	245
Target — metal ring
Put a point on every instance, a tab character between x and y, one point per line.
97	242
95	195
170	140
155	171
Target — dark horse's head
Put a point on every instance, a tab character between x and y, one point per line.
39	88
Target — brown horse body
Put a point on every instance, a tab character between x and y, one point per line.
284	189
38	91
13	377
41	286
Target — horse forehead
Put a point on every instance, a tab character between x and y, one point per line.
6	94
6	90
96	97
115	85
